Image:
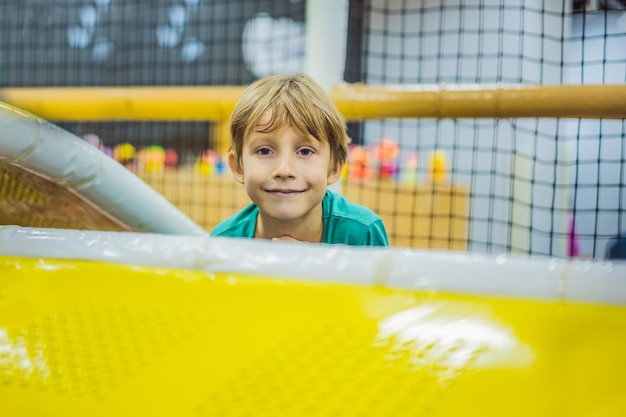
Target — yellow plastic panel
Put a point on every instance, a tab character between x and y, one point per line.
95	339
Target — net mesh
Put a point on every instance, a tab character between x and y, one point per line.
536	185
533	185
29	199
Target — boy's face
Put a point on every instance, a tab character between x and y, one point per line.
285	173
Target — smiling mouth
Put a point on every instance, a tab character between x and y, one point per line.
284	192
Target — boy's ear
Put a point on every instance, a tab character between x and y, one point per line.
235	167
335	174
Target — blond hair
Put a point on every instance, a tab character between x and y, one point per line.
295	100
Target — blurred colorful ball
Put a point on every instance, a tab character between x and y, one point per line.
206	162
107	151
93	140
171	158
387	150
409	170
152	158
437	168
358	161
124	152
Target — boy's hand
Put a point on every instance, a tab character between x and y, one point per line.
286	237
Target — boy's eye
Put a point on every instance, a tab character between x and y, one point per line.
305	152
263	151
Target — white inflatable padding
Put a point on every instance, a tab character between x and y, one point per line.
512	276
43	148
16	125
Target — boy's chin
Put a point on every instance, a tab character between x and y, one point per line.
285	214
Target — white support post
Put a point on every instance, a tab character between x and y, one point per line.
326	31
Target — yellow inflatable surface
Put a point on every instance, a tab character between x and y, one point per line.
83	338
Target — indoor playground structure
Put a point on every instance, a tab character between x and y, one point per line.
489	136
126	322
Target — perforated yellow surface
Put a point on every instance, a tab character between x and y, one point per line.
93	339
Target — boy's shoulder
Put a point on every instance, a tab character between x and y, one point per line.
337	205
346	222
241	224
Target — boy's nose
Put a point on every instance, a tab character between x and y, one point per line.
284	166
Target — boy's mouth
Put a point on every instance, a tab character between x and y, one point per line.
284	191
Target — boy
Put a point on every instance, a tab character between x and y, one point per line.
288	143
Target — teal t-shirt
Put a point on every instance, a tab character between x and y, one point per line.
345	222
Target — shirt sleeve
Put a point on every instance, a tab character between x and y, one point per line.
377	235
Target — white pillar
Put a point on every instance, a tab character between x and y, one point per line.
326	29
